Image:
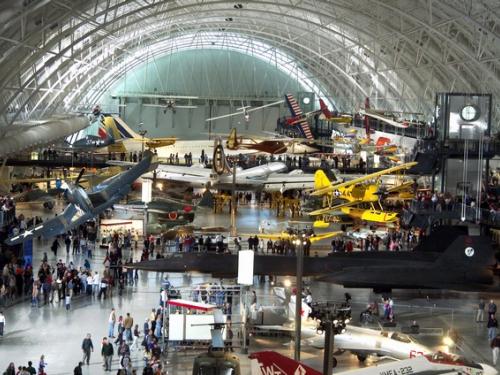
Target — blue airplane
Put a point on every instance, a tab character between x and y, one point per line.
84	205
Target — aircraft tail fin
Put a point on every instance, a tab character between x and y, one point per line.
304	311
219	161
123	129
324	109
305	129
382	141
468	252
207	200
232	141
321	181
269	362
109	126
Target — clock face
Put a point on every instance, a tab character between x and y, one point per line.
469	113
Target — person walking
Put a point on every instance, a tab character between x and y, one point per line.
492	308
2	323
78	369
67	300
41	365
495	348
480	311
111	323
107	352
128	323
87	348
136	335
11	369
492	326
30	368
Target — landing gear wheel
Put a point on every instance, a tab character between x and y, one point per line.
334	362
361	357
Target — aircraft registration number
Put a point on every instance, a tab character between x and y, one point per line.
407	370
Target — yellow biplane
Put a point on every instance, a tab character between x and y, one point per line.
355	194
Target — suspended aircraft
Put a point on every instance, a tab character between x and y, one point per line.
34	134
333	117
85	205
299	118
115	136
354	194
270	146
170	104
263	177
439	363
387	116
449	258
244	111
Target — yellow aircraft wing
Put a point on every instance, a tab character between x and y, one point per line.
404	185
271	236
326	210
363	179
319	237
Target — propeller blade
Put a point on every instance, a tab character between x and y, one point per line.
82	171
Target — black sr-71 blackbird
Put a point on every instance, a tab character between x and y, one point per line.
447	259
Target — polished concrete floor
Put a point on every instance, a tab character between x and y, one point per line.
57	333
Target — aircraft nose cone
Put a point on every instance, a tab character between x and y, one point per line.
488	370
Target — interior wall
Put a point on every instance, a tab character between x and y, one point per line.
191	123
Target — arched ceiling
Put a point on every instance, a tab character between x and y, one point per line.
57	55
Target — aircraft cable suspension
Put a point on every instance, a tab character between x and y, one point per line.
464	178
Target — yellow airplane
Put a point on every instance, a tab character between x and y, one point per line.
126	140
356	193
286	235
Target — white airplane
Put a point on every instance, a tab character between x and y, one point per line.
263	177
245	111
357	340
272	363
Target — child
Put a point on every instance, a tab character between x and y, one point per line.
68	301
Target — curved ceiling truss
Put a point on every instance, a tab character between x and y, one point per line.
61	54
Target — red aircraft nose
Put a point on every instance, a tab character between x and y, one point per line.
188	208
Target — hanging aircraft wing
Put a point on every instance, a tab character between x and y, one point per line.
71	217
244	110
327	210
364	178
171	107
385	119
185	171
403	186
323	236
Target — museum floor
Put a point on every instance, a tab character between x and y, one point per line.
57	333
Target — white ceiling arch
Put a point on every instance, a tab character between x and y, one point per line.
397	52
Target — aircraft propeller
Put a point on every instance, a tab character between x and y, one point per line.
76	194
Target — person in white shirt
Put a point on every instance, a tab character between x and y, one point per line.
111	323
90	284
2	323
96	282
